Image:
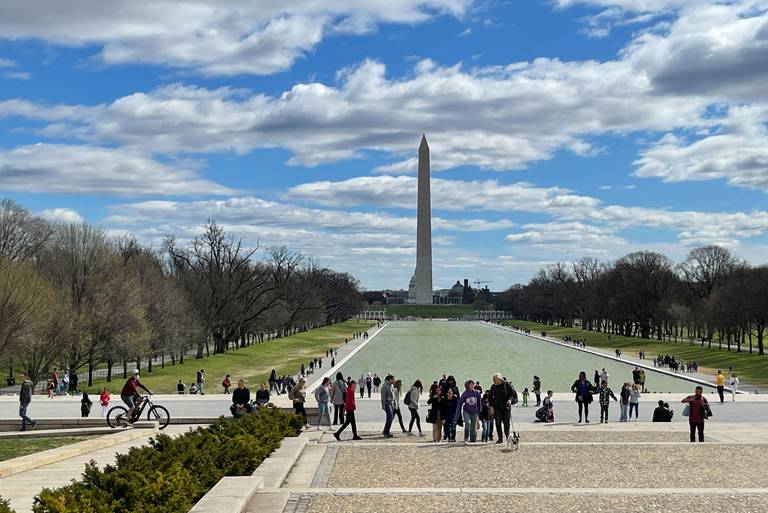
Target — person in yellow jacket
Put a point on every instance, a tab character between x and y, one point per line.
720	382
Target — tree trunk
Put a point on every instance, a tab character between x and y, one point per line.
109	370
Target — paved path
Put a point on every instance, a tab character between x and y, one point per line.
21	488
410	474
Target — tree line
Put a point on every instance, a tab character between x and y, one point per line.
71	296
709	297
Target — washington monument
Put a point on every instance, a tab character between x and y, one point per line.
420	289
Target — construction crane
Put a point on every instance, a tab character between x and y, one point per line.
479	282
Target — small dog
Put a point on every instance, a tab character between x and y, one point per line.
513	442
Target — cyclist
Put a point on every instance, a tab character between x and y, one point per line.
130	393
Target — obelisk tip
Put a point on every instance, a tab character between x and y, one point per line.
423	141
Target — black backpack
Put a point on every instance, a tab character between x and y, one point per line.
407	399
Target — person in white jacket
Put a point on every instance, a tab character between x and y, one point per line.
413	406
734	386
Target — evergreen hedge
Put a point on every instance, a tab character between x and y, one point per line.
5	506
171	474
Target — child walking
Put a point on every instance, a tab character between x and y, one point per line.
525	396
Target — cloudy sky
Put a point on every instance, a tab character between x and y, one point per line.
558	128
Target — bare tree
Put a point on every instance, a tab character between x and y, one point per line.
22	235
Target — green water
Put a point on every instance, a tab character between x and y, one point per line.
470	350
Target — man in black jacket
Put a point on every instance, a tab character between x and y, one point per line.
503	396
662	413
25	397
241	400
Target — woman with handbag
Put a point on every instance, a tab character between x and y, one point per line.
434	415
583	390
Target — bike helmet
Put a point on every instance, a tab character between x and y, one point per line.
135	372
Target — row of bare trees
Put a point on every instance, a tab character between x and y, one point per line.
710	296
72	297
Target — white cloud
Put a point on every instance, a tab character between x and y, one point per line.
495	117
211	37
70	169
7	63
575	236
65	215
17	75
738	153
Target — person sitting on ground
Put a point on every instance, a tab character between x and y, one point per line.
662	413
180	387
262	395
241	400
192	389
546	413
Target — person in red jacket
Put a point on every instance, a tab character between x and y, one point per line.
349	413
699	411
104	398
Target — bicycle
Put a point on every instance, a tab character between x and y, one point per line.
156	412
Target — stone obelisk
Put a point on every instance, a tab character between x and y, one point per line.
423	275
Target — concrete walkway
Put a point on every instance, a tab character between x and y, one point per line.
20	489
409	474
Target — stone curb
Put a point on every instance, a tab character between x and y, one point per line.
43	458
531	491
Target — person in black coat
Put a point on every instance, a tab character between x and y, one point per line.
241	400
583	390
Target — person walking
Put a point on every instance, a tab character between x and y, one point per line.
434	416
25	398
273	382
338	394
698	411
388	404
412	401
624	402
299	396
226	384
368	384
503	396
583	390
361	386
200	380
486	417
398	386
470	405
323	398
376	383
537	390
450	408
349	413
85	405
604	398
734	386
634	402
720	382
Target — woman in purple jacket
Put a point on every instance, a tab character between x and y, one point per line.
470	405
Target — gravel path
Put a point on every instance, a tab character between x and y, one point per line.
528	503
631	466
586	436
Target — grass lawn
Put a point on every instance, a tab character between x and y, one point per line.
253	363
15	447
751	368
432	311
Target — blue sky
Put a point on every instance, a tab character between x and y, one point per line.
558	128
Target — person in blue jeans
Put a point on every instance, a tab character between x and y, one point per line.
470	404
25	397
449	406
388	404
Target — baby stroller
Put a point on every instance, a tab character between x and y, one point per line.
513	440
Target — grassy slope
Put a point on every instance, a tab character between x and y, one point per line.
15	447
435	311
750	368
252	363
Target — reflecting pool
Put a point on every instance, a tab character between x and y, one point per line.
428	349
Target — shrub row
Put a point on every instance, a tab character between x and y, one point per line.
5	506
171	474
